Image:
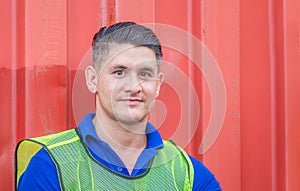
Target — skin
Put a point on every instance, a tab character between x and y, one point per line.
126	87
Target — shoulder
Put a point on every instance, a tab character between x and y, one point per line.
40	174
57	137
203	177
34	165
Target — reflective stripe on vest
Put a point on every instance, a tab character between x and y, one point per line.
171	168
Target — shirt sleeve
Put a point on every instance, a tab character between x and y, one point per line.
204	180
40	174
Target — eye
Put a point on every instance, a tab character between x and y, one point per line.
119	73
145	75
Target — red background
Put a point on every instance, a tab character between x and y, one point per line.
255	43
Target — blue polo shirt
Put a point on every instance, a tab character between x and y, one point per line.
41	172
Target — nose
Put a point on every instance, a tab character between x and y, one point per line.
133	85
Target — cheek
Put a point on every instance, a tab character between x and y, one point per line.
150	89
104	88
108	88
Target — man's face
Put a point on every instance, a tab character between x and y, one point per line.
128	84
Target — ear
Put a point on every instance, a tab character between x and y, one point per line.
160	81
91	79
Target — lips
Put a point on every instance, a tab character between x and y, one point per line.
132	100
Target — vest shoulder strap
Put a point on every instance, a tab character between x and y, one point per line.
27	148
172	150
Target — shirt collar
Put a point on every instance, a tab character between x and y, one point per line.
86	129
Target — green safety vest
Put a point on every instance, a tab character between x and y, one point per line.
171	168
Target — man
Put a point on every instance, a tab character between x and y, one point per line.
114	148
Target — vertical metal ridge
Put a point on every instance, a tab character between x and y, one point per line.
277	96
108	12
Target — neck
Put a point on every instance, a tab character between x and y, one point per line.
120	136
127	144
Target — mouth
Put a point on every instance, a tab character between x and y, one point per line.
131	101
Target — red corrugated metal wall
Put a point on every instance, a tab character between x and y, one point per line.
253	44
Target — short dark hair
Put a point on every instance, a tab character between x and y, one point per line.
124	33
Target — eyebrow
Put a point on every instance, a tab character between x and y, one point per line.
150	69
120	66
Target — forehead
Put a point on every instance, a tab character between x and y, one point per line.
131	56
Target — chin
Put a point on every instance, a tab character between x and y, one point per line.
131	120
